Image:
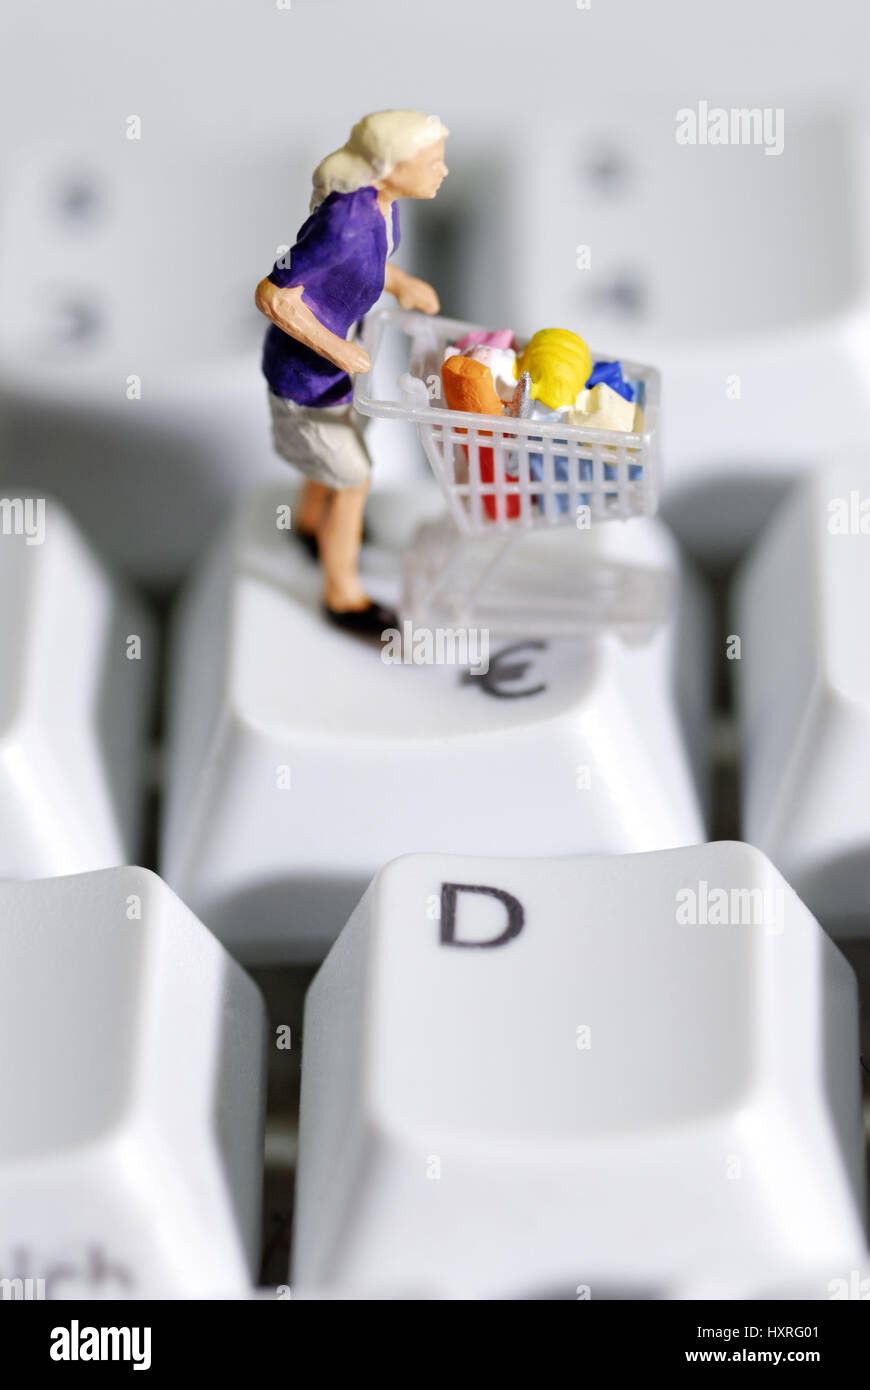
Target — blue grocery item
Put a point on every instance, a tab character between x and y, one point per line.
560	472
562	500
610	374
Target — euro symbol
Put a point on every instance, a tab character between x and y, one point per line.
501	671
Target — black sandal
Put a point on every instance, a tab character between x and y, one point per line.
365	622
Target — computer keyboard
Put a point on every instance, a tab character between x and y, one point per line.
546	1054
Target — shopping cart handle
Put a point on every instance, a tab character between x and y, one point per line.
414	393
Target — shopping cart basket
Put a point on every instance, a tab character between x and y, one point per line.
503	478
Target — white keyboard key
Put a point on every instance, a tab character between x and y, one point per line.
132	1091
75	689
606	1074
300	761
145	421
804	693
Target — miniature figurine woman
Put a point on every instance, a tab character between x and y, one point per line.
316	292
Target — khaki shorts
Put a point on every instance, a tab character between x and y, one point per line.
323	442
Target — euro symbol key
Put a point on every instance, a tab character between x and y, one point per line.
501	671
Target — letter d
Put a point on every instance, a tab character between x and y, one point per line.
449	894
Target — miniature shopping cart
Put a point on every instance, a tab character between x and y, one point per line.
512	485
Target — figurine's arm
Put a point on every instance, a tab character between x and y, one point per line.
409	291
286	309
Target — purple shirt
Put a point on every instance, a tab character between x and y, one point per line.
340	257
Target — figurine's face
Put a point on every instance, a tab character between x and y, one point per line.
420	177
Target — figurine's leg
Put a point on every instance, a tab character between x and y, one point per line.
311	506
340	538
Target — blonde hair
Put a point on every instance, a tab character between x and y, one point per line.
374	147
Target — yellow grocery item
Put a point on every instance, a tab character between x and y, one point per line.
559	363
601	408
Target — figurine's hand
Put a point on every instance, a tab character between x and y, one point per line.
417	294
352	359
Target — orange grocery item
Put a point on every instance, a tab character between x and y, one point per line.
468	385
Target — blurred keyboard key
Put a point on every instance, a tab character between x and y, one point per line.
132	1090
803	681
76	681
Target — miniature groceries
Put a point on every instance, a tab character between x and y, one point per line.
551	379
